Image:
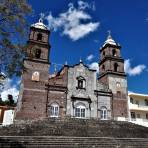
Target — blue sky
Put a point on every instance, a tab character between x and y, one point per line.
127	20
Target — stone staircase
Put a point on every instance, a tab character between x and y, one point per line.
75	128
73	133
71	142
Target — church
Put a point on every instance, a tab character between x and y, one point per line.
75	91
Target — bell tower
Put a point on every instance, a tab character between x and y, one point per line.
111	73
33	96
38	45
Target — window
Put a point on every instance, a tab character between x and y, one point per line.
146	115
103	53
131	100
39	36
103	67
54	110
80	111
115	67
114	52
118	94
137	102
81	82
103	113
146	102
133	116
138	115
38	53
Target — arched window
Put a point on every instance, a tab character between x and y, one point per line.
39	36
118	94
131	100
35	76
103	53
146	102
38	53
103	67
115	67
54	110
114	53
103	113
81	82
80	111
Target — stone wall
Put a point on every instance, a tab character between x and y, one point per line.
32	102
83	96
118	85
57	91
87	93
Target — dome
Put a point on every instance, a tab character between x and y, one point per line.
110	41
40	25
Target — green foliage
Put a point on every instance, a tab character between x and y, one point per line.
13	28
8	102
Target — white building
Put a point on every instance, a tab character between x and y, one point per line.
138	108
6	115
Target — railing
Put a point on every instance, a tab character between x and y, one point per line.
139	121
133	119
121	119
143	106
138	106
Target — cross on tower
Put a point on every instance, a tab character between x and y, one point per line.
109	34
42	16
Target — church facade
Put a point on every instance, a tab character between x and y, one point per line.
75	91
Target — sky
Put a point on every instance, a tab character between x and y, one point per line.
79	28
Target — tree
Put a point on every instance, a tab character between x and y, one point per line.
13	27
10	100
0	100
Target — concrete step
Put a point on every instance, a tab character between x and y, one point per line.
72	142
74	127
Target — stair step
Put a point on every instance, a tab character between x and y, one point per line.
71	142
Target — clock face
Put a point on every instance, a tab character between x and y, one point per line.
35	76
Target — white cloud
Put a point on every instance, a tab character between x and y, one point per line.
10	88
90	57
94	66
70	22
80	31
130	92
96	41
12	91
7	83
135	70
83	5
93	6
